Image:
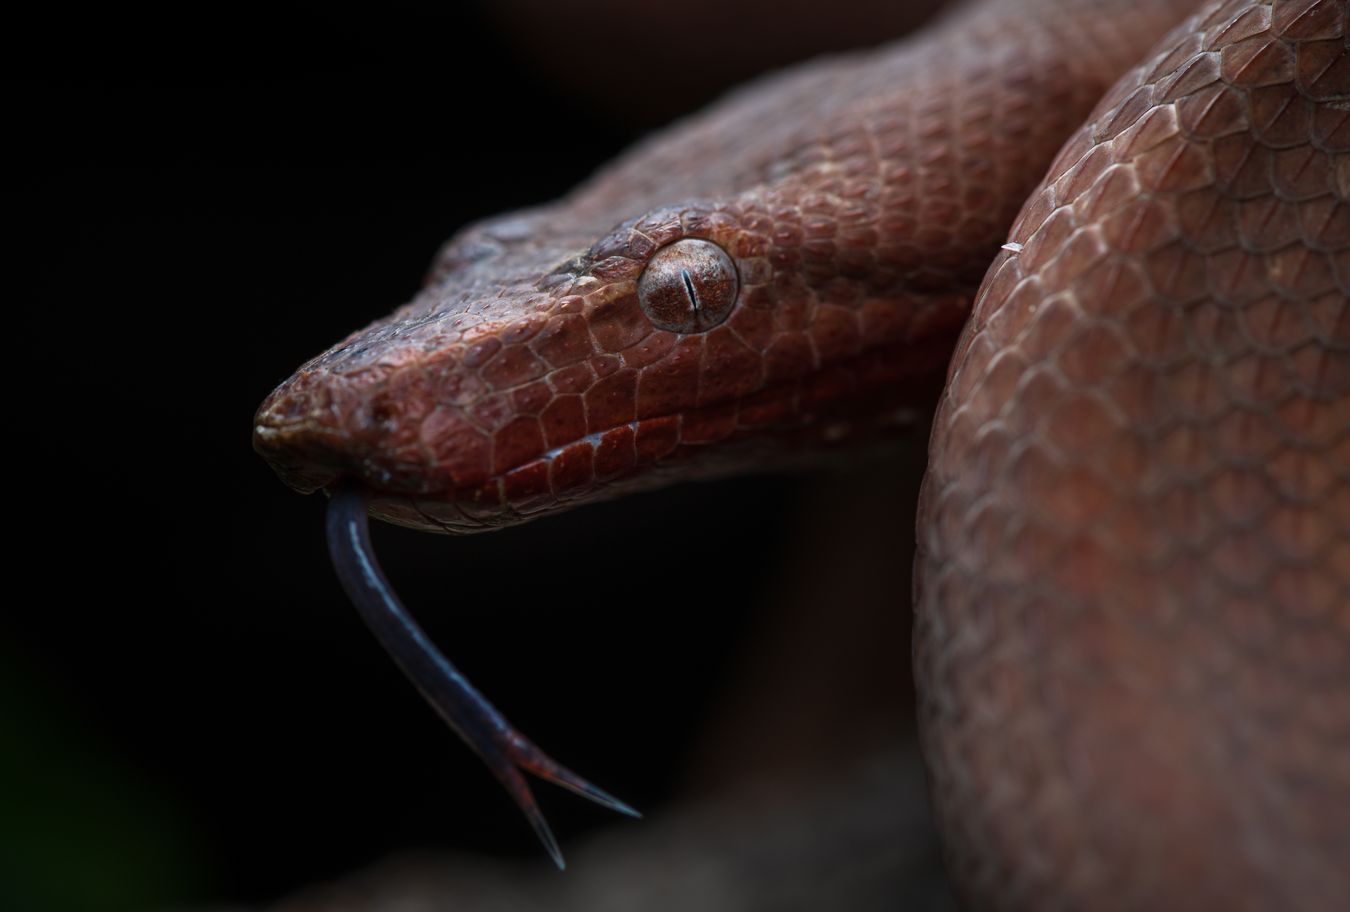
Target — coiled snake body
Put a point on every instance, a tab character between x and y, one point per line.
1132	637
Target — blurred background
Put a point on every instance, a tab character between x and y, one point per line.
191	714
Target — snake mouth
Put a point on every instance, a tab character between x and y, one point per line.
619	460
446	475
453	490
277	445
634	456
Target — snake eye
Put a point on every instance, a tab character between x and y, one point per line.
689	286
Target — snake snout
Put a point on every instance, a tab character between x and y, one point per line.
289	433
320	427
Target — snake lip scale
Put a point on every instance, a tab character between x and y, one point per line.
1106	245
608	462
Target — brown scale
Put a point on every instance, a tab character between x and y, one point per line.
1132	641
860	199
1133	618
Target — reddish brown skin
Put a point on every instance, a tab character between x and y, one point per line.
1133	611
861	199
1133	601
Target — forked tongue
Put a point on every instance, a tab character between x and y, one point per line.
504	749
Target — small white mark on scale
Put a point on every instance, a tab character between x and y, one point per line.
1012	247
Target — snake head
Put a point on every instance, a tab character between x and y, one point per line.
576	351
528	377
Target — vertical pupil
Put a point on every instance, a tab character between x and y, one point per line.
689	289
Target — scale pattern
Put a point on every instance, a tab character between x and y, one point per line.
1133	607
861	199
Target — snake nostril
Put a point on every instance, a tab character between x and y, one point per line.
382	413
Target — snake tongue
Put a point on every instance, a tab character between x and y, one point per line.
504	749
524	755
530	758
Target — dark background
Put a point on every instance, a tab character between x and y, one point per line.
190	712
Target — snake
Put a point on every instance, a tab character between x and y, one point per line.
1103	248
